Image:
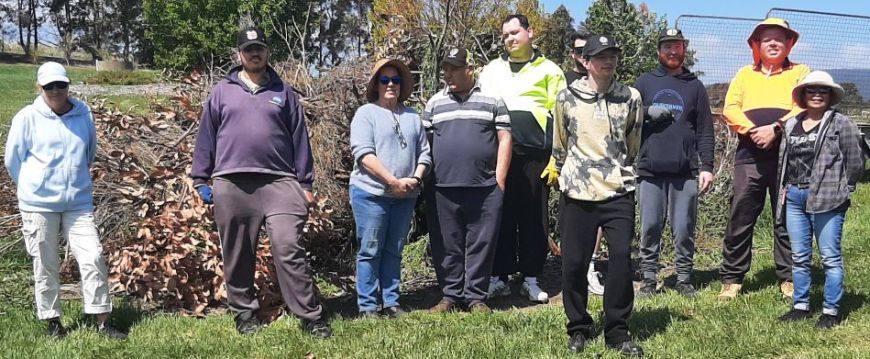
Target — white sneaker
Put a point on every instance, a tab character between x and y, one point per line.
531	288
594	279
498	288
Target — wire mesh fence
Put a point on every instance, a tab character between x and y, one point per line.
836	43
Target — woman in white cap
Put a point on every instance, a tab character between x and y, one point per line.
820	163
49	150
391	155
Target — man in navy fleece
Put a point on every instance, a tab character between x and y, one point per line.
675	162
253	145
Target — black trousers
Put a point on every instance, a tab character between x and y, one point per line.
522	244
462	256
752	182
579	222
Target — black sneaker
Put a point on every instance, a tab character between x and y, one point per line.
577	342
393	312
55	328
248	326
827	321
627	348
110	332
648	289
795	315
686	289
317	328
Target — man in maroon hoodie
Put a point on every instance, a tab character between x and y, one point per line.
253	145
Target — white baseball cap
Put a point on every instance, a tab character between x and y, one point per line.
51	72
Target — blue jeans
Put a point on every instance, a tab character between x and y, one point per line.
828	230
382	224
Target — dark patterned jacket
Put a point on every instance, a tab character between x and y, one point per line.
838	163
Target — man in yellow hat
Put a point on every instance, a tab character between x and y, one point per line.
757	103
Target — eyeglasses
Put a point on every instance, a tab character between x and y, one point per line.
396	80
398	130
817	90
60	85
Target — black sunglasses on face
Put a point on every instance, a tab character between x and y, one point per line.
396	80
60	85
817	90
578	50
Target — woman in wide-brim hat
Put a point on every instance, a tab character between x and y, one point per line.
820	163
391	155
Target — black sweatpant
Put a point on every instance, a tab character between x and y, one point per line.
579	222
242	204
522	244
469	220
752	183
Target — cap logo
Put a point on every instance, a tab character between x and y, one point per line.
672	32
252	35
453	53
603	40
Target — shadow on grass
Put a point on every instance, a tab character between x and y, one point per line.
125	315
761	279
646	323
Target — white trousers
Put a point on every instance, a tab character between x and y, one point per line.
41	238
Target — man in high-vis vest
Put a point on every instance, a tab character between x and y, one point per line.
529	84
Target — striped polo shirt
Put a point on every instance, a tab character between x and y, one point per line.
464	139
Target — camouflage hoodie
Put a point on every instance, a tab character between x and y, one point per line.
596	137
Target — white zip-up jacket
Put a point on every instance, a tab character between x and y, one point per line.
49	157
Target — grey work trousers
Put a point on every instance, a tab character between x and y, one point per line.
660	199
243	203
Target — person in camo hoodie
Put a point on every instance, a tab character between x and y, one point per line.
596	137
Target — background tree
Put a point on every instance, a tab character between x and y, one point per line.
636	31
560	26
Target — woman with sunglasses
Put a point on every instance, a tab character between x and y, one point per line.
391	155
820	163
50	148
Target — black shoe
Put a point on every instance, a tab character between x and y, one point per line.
316	328
648	289
577	342
686	289
110	332
248	326
393	312
627	348
827	321
55	328
795	315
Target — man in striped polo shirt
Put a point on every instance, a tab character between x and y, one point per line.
471	151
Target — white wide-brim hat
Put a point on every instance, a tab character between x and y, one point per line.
818	78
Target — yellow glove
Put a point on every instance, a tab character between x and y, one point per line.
551	174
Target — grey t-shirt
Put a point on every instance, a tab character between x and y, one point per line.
373	131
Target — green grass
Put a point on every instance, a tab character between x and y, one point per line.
140	77
668	326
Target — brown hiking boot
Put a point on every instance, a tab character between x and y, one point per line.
730	291
445	305
479	307
787	289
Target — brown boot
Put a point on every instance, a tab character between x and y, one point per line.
730	291
787	289
445	305
479	307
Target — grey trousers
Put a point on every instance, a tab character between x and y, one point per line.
661	198
243	203
469	220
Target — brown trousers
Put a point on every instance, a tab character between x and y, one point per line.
243	203
752	182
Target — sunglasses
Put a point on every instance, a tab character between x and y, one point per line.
60	85
578	50
396	80
817	90
398	130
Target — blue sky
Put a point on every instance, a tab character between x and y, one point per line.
734	8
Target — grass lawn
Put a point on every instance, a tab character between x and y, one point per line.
668	326
19	89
